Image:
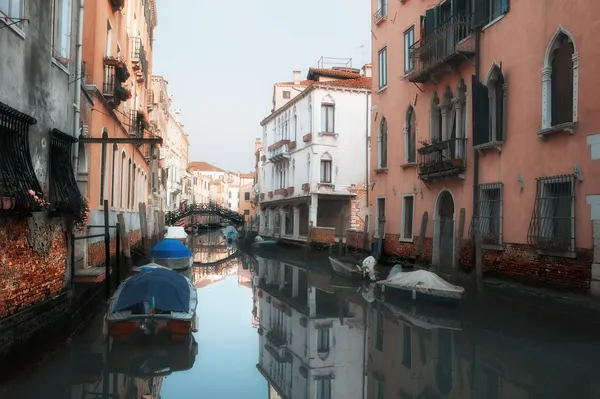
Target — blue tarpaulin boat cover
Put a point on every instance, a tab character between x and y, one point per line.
170	249
170	290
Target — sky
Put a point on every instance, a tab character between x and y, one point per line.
221	58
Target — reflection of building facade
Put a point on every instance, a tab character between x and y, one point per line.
311	341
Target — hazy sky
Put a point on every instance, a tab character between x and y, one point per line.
221	58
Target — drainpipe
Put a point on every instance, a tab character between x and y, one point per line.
78	77
476	162
368	115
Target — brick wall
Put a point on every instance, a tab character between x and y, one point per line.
356	239
323	235
358	206
393	246
96	250
28	278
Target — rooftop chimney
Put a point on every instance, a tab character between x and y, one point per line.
257	144
366	70
297	77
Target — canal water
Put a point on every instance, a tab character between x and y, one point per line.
280	324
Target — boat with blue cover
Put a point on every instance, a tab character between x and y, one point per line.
153	301
172	254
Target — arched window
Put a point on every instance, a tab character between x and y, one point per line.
122	181
113	174
129	174
560	82
435	114
410	136
326	166
382	140
497	103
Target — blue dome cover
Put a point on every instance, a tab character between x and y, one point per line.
170	249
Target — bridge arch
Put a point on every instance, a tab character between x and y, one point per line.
204	209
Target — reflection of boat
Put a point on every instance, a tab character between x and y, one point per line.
423	285
347	267
172	254
152	359
424	315
267	244
176	233
152	301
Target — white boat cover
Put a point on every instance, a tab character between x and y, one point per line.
424	282
176	232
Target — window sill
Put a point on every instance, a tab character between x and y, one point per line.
492	247
558	254
493	22
61	66
409	165
332	134
382	89
381	170
322	184
492	144
567	127
14	27
406	240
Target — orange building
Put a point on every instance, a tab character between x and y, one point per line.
117	52
476	106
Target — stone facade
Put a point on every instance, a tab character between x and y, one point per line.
30	276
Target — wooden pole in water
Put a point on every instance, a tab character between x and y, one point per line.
381	233
144	228
422	232
106	249
366	235
458	245
125	242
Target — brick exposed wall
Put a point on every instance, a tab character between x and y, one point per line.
323	235
356	239
27	277
358	206
393	246
96	249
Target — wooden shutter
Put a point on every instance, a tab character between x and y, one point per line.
430	21
505	6
480	13
480	114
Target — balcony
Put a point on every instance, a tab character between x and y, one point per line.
442	159
442	50
282	191
139	60
279	151
380	15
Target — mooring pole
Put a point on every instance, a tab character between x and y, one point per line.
107	249
118	254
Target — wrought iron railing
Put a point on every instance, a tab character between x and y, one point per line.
17	176
380	14
204	209
108	87
552	225
442	158
64	192
442	44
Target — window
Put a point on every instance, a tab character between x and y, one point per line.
326	171
295	127
379	389
487	11
61	39
408	209
380	214
286	94
560	82
383	144
324	388
490	213
407	346
379	329
410	136
246	212
229	194
552	226
323	339
382	68
12	9
409	40
327	118
246	196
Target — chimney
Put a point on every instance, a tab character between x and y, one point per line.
366	70
257	144
297	77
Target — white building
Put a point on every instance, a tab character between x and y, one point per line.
312	340
315	163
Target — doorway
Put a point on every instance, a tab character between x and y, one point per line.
445	230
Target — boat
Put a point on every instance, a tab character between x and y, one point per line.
176	233
154	301
422	285
347	267
173	254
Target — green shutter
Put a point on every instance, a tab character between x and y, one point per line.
480	114
481	13
505	6
430	22
460	7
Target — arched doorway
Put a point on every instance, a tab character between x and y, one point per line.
444	230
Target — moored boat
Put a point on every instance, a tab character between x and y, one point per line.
172	254
422	285
176	233
347	267
154	301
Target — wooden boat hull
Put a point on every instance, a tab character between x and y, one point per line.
346	269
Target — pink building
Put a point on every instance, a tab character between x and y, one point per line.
477	103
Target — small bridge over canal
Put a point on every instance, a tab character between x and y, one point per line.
171	218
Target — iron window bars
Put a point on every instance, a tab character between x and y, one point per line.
490	213
552	225
17	175
64	192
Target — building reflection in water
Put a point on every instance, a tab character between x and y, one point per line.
311	337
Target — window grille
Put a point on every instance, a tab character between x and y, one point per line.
64	192
552	225
490	213
17	175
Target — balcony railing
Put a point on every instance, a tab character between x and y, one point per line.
279	151
139	59
447	44
443	158
380	14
